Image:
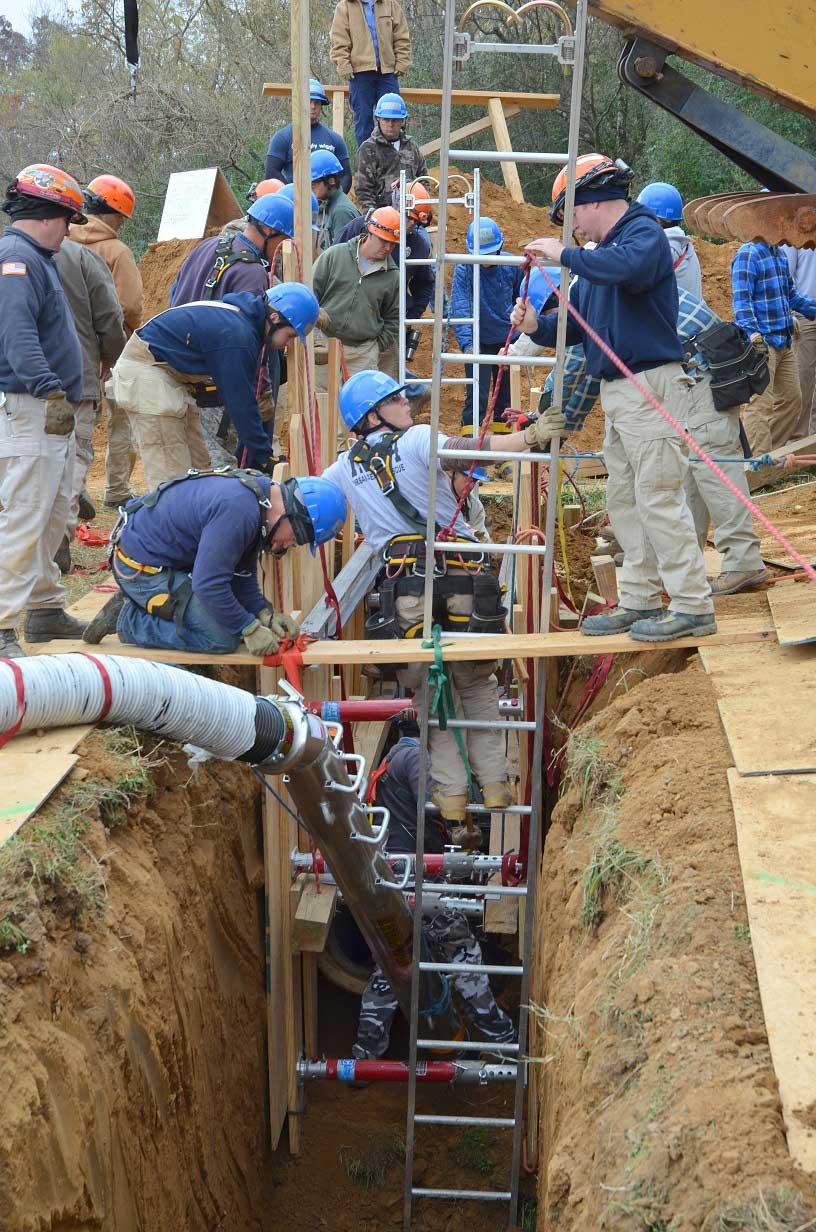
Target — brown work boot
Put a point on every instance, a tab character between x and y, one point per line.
104	622
10	648
496	796
735	580
44	623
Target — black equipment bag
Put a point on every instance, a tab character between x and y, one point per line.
738	370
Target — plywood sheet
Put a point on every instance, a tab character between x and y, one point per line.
793	608
28	780
764	696
777	849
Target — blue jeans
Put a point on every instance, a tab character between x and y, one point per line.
364	90
198	630
487	375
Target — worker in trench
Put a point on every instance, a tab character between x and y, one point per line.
226	264
446	932
384	477
186	559
627	293
41	383
219	343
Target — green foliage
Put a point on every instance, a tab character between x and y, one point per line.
472	1153
12	937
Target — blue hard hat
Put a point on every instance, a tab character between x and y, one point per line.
391	107
325	163
275	211
480	474
326	506
296	304
363	392
288	190
663	200
538	289
491	237
316	92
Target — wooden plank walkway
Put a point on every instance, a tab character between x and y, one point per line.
794	612
777	849
733	631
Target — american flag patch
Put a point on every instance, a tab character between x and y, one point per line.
14	267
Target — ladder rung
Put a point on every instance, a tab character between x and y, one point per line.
526	361
474	1195
464	968
489	889
484	724
523	810
504	156
467	1045
506	549
494	1122
495	455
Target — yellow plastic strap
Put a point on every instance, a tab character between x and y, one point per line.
134	564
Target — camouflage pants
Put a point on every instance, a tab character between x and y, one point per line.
449	939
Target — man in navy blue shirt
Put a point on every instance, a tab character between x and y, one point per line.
627	292
218	343
279	156
186	559
40	386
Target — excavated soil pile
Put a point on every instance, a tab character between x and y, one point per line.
159	267
660	1106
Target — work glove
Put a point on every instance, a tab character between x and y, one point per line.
323	320
266	405
541	431
59	414
259	640
759	344
282	626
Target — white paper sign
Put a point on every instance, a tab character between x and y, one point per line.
187	204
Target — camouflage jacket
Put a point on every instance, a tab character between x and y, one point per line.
379	163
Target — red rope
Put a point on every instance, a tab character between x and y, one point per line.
290	658
679	429
21	706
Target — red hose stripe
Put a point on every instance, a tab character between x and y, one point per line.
19	686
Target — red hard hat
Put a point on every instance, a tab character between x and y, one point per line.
50	184
108	190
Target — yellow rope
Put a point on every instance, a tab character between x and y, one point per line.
562	538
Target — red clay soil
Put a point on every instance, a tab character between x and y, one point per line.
661	1108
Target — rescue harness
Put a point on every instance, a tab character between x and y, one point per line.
207	395
404	562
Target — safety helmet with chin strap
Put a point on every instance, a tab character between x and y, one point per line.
274	211
593	173
296	305
316	510
364	392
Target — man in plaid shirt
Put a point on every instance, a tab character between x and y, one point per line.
715	431
764	301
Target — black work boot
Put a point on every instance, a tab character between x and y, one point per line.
10	648
44	623
104	621
87	509
62	556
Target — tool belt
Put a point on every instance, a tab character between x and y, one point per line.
165	605
404	573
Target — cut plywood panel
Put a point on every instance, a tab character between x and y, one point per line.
793	608
764	696
777	849
28	781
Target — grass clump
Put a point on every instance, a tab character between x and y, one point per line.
613	869
370	1165
472	1153
596	776
775	1210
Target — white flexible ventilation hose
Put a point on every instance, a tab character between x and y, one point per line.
58	690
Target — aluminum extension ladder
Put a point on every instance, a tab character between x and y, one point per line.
569	50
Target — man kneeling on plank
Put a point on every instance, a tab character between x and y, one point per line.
385	478
186	559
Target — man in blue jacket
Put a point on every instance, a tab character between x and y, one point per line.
217	343
498	287
40	386
627	292
186	559
280	155
237	260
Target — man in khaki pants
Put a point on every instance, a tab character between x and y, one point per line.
627	292
764	302
218	342
802	267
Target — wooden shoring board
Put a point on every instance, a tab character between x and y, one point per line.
458	98
777	850
732	631
764	696
463	133
793	608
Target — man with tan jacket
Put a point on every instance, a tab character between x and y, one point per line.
370	48
109	203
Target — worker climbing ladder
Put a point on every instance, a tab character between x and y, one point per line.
512	1065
